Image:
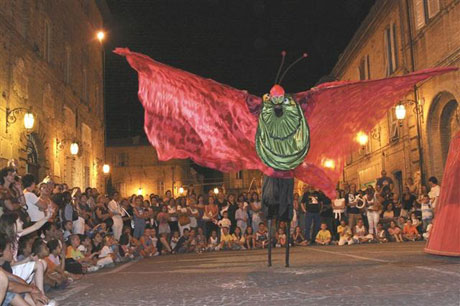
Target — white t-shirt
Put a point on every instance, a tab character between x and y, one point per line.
32	209
106	251
434	195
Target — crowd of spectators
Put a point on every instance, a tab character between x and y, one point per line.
51	234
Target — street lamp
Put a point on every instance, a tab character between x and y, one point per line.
362	138
100	36
11	118
74	148
329	163
106	169
400	109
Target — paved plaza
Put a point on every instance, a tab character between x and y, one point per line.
375	274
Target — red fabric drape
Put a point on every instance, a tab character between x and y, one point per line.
445	233
187	116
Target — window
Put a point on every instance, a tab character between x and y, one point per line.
393	123
68	63
87	176
123	159
160	187
47	41
390	49
364	68
432	7
239	175
96	98
85	86
424	10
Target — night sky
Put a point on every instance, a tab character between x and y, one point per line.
235	42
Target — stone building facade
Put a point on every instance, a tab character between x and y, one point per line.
135	169
52	64
398	37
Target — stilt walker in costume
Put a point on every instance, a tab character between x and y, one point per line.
220	127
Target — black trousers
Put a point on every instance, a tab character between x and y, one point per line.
278	198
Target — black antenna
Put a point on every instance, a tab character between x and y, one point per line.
283	56
292	65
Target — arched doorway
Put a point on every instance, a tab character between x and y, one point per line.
443	122
32	165
35	156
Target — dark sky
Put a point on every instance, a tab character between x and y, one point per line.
236	42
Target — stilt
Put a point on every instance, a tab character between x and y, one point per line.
269	242
288	241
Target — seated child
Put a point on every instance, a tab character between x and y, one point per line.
40	249
280	238
250	238
298	238
107	256
226	240
261	236
324	235
147	247
76	262
213	242
200	241
410	231
361	234
238	239
395	232
381	234
345	234
174	240
56	268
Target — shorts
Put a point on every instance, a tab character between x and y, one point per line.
9	297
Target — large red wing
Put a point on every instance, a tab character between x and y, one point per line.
337	111
187	116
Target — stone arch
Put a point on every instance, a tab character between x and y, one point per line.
443	121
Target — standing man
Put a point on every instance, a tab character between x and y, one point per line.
435	190
115	209
385	185
35	207
312	206
351	200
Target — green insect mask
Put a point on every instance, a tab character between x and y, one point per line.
283	136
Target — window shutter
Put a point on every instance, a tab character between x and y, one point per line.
386	37
419	14
368	67
433	8
393	47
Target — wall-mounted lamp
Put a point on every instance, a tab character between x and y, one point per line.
106	169
11	118
74	147
400	109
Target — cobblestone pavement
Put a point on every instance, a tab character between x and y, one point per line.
377	274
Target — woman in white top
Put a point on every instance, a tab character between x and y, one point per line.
338	208
256	207
373	208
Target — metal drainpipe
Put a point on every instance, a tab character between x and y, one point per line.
412	59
